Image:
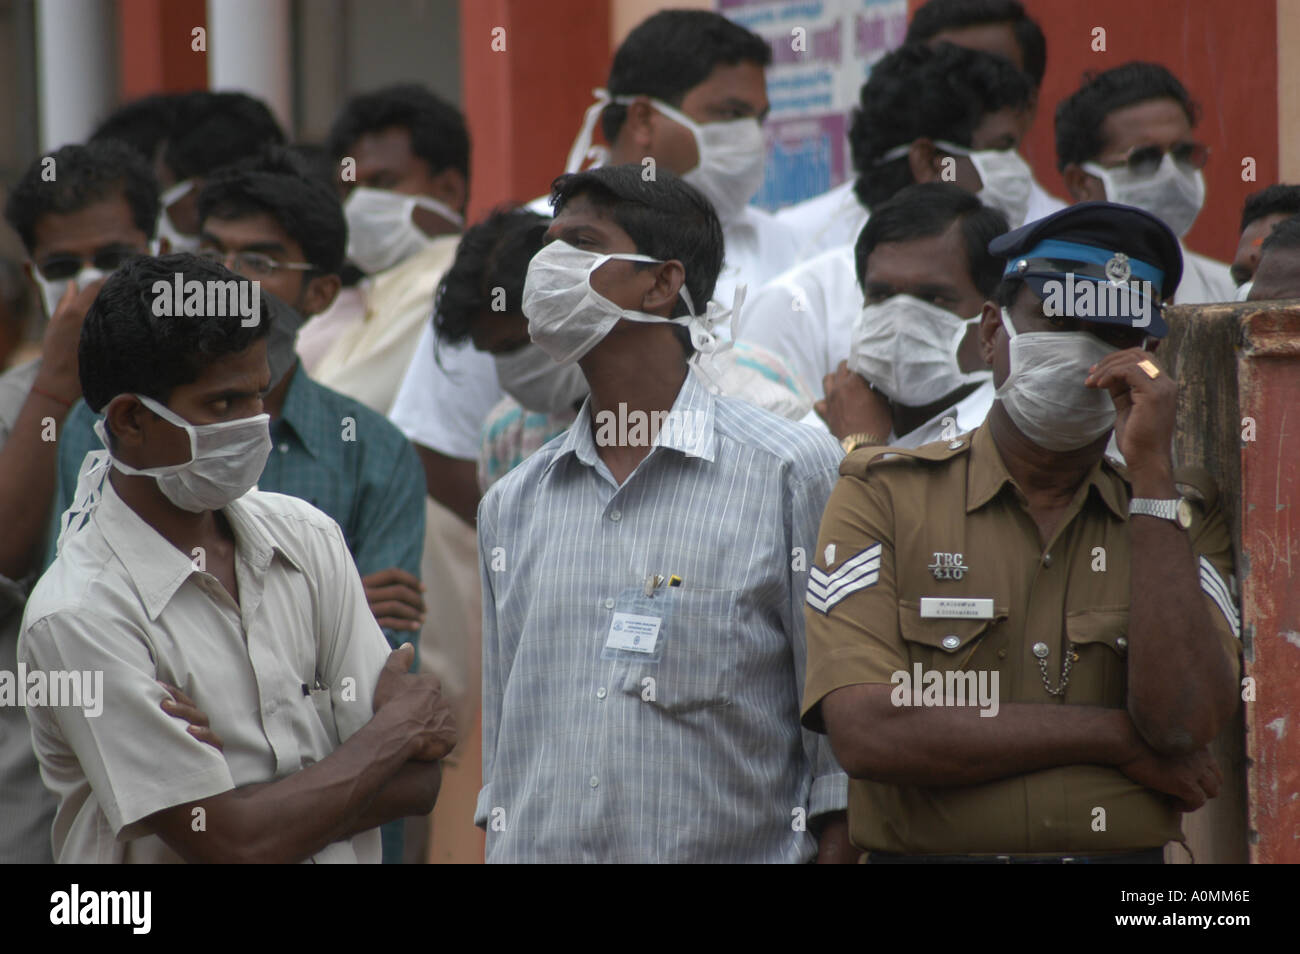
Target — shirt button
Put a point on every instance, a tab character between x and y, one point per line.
283	448
609	604
1122	643
1002	653
616	515
1040	650
600	693
951	642
1047	559
593	781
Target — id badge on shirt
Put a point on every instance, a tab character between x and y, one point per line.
638	626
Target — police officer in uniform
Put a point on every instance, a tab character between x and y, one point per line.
1019	646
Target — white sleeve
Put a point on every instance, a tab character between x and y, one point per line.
442	404
790	322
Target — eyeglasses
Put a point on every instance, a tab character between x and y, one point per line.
252	264
60	267
1145	160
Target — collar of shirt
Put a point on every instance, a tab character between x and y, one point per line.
987	474
156	567
687	428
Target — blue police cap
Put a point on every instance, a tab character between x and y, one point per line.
1097	261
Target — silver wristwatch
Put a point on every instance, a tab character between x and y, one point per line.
1178	509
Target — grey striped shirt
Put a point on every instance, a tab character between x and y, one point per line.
691	752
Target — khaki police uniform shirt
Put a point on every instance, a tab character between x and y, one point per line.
890	522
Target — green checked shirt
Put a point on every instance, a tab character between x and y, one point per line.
329	450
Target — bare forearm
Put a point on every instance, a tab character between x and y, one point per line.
291	819
452	482
955	745
1180	681
411	791
27	479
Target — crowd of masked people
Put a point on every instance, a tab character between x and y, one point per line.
633	521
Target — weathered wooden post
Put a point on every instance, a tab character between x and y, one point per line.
1238	368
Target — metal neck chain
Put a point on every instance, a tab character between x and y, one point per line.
1066	665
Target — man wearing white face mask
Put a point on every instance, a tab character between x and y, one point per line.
687	89
409	151
479	299
189	590
998	27
642	544
922	111
97	213
1126	136
208	130
915	374
1107	684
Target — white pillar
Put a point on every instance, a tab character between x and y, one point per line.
249	51
74	68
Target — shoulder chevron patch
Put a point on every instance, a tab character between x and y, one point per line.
856	573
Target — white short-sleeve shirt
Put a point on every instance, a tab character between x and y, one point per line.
285	676
806	315
444	401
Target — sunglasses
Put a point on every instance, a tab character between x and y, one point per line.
1145	160
66	266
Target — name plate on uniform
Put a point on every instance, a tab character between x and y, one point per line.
954	607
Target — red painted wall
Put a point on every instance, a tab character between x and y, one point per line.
1224	53
524	105
154	47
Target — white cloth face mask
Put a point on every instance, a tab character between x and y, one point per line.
732	154
907	349
52	291
567	317
730	170
178	240
226	459
1005	176
381	233
1044	392
532	378
1173	193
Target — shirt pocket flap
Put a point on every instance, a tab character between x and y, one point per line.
950	635
1107	626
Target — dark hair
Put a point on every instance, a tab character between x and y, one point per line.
83	175
937	16
672	52
1279	199
666	218
283	186
1080	115
318	163
491	254
215	129
917	91
438	132
144	123
1285	235
126	348
929	209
